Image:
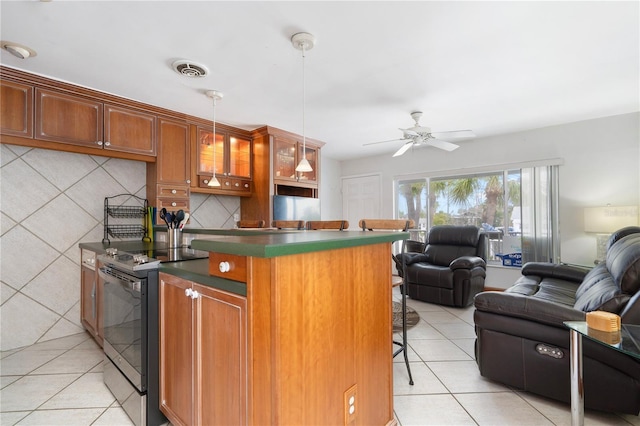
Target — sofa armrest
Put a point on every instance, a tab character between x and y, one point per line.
555	270
467	262
413	246
527	307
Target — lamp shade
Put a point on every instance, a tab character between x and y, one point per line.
605	220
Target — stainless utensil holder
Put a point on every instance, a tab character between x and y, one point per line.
174	238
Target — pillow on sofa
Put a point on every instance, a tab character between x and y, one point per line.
599	291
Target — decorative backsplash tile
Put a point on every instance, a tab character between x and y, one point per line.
52	201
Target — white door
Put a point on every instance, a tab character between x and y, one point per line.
360	199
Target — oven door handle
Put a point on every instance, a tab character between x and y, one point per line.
110	275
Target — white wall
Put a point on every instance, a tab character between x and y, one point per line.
601	163
331	190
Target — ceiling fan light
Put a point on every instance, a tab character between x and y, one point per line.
213	181
304	166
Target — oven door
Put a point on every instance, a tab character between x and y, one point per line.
125	323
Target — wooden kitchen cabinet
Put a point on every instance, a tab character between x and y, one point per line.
129	130
168	179
173	152
61	117
275	157
286	156
91	297
203	354
233	158
16	116
77	120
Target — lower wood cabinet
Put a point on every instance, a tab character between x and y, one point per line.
203	354
91	298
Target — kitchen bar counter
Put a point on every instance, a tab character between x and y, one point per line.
313	330
282	243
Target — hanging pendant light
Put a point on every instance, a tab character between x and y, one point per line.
304	42
216	96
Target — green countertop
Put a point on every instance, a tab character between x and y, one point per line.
279	243
265	243
225	231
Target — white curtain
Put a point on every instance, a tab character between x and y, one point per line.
540	235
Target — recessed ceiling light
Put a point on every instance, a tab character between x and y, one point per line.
190	68
18	50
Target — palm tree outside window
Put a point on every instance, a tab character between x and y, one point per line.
481	199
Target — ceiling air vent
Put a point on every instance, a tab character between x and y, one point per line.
190	69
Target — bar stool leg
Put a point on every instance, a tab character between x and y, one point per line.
403	344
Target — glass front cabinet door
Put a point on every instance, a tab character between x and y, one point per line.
232	155
287	155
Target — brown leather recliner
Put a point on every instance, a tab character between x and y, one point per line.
522	342
450	270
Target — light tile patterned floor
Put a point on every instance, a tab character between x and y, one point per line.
59	382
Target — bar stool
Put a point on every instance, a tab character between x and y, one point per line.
395	225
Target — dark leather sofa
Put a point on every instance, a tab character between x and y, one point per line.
522	342
449	268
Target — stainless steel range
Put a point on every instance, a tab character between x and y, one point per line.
130	306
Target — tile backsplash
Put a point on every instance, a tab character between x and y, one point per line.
50	201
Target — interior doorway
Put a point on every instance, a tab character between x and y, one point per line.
360	198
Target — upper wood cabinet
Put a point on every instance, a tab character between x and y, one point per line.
287	153
173	152
233	160
276	154
78	120
168	178
68	119
126	129
16	116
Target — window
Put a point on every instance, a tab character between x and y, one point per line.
489	200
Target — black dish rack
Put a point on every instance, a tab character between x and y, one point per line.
115	210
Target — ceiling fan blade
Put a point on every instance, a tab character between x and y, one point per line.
455	134
403	149
447	146
375	143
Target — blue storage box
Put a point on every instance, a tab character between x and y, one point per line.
511	259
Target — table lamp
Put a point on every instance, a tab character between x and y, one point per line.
605	220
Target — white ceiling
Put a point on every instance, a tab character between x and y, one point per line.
493	67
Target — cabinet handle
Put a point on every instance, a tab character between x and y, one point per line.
99	143
188	180
205	181
227	184
107	144
173	204
246	185
188	292
93	301
173	191
195	294
224	267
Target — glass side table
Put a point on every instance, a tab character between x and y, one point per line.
626	341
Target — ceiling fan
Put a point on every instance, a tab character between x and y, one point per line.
419	135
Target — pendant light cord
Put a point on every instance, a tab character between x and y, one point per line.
304	103
214	137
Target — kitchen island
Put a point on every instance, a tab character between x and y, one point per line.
279	328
